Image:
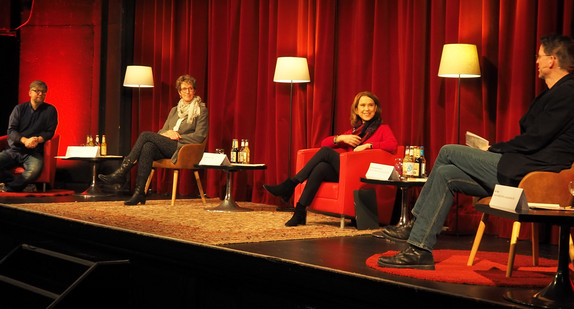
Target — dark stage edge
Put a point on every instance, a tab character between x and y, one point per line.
317	273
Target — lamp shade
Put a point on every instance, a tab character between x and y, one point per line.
138	76
291	70
459	61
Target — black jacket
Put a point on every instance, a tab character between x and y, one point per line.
546	140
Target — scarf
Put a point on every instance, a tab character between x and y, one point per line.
366	129
190	110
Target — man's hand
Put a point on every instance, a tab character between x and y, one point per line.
171	134
30	142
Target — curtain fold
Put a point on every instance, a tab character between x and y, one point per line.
391	48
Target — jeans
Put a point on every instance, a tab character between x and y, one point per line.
457	169
323	166
32	164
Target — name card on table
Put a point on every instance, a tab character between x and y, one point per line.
509	199
381	172
83	151
214	159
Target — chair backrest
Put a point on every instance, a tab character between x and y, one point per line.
548	187
3	142
189	155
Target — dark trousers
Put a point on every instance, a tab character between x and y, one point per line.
323	166
150	146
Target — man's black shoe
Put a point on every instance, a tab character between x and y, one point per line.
411	257
398	233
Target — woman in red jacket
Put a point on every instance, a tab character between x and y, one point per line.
368	132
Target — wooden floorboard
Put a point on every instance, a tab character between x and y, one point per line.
340	259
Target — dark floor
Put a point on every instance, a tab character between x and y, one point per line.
348	255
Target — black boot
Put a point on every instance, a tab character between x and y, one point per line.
284	190
119	176
138	197
299	217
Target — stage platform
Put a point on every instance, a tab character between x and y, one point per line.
316	273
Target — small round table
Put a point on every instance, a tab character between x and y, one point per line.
93	190
228	203
404	186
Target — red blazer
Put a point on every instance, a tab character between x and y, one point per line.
383	139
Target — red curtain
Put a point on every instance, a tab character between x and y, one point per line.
392	48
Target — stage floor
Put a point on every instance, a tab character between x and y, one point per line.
347	255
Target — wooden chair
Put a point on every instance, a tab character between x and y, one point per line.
48	174
188	156
539	187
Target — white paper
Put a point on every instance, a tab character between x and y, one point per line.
548	206
83	151
214	159
509	199
476	141
380	172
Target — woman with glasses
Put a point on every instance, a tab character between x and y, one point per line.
367	132
186	123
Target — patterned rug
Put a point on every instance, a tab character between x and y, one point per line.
188	220
53	192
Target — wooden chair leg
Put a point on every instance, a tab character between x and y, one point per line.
342	225
174	188
477	239
571	245
196	173
535	240
512	250
148	182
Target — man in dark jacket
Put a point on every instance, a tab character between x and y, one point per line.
30	125
545	143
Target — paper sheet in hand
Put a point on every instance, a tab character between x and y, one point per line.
214	159
476	141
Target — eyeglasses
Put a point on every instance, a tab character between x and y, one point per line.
540	56
187	89
39	91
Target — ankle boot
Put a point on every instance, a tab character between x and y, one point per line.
284	190
138	197
299	217
119	176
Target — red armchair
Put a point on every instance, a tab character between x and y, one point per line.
48	174
337	198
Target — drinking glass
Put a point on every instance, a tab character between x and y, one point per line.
399	168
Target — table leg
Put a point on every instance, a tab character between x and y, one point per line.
560	292
93	189
404	219
228	203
